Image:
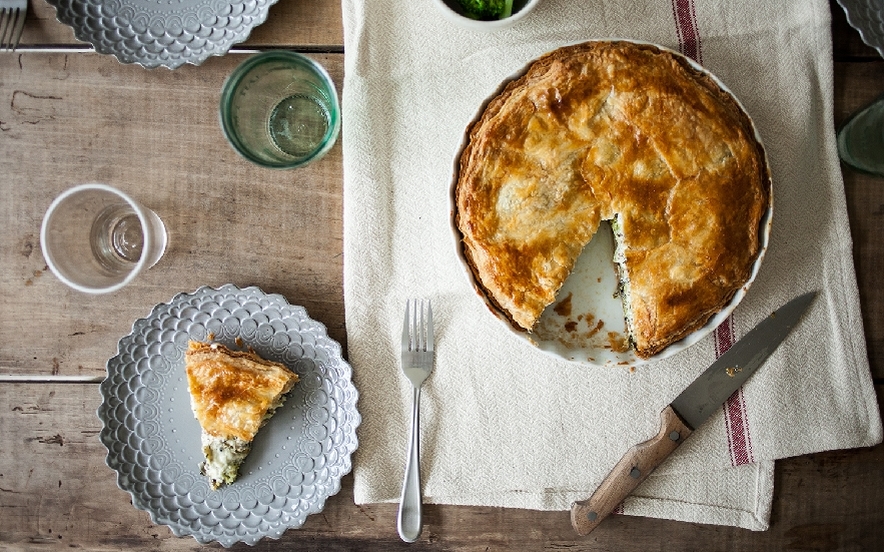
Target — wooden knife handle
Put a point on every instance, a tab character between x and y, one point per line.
630	471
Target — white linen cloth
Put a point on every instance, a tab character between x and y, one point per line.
506	425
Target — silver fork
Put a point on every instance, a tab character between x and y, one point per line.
417	363
12	21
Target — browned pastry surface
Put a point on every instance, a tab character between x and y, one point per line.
614	130
232	391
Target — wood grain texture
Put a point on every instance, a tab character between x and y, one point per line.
57	493
70	119
858	83
306	23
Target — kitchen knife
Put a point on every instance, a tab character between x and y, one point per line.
688	411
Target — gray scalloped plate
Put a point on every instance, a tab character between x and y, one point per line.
867	17
153	440
162	34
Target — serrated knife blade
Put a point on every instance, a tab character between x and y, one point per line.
688	411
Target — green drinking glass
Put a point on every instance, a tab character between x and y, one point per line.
280	110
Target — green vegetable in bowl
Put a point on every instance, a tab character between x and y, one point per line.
487	10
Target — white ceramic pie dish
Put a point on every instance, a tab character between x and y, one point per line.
586	322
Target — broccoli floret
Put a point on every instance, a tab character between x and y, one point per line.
487	10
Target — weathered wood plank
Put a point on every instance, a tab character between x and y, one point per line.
69	119
856	85
56	491
303	22
318	23
865	207
313	23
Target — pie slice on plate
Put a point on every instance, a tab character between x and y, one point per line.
232	394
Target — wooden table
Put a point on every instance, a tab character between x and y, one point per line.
69	116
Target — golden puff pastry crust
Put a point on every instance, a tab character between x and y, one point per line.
232	392
623	132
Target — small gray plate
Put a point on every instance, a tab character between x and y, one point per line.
867	17
153	440
166	33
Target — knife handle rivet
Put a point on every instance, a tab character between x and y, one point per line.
635	473
592	516
675	436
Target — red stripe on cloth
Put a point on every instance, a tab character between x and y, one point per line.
737	424
736	420
724	337
684	12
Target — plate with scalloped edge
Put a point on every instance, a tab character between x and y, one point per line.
162	34
867	17
153	439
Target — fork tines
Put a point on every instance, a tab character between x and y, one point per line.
417	330
12	22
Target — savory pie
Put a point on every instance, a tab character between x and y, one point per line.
621	132
232	394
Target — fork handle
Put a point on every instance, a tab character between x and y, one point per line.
410	523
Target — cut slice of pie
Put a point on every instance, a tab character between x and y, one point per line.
232	394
